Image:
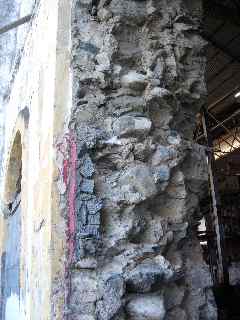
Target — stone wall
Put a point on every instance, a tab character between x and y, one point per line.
138	82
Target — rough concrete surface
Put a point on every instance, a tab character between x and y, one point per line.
138	82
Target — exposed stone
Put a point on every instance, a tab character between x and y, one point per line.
209	311
149	276
143	149
146	307
104	14
131	126
134	80
137	74
137	184
84	293
87	186
111	291
200	296
86	166
161	173
166	155
86	263
176	314
173	296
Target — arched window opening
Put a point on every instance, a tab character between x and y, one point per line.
10	262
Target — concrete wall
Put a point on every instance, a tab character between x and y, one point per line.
138	83
38	106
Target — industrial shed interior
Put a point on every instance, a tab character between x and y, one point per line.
219	130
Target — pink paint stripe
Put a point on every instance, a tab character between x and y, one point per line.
70	179
65	171
72	197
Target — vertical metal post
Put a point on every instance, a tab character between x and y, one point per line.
222	272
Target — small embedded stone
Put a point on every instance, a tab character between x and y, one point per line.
89	231
112	290
162	154
132	126
177	314
87	186
104	14
86	263
94	205
146	307
94	219
149	275
134	80
82	215
161	173
137	184
86	167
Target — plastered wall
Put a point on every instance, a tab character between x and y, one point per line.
37	108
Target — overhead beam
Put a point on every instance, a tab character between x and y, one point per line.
225	67
215	9
236	2
15	24
223	122
221	47
224	98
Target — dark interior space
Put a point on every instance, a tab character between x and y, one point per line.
219	130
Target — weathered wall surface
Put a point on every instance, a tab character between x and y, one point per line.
37	107
11	44
9	11
138	75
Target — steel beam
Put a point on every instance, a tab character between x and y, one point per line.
225	97
222	48
219	10
15	24
220	124
222	265
226	66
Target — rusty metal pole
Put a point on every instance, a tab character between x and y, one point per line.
223	274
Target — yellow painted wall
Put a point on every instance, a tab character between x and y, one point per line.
42	84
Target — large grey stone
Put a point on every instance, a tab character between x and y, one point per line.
173	296
111	292
83	297
165	154
137	184
146	307
176	314
131	126
149	276
134	80
209	311
161	173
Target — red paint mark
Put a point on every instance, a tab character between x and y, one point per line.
72	197
65	171
68	149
